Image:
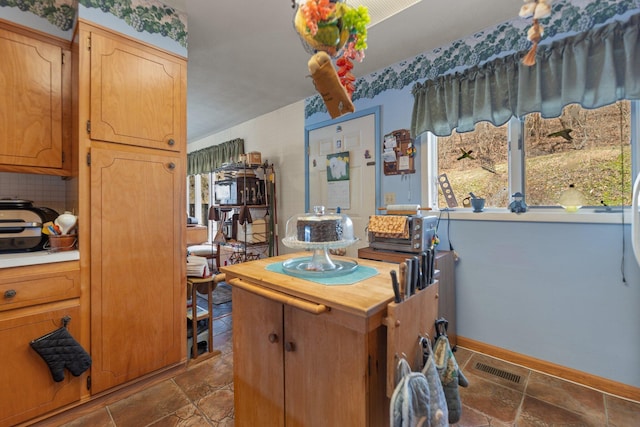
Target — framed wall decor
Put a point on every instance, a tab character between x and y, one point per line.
398	153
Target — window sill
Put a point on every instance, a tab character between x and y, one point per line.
584	215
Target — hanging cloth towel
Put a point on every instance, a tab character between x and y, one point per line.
392	226
410	399
439	413
60	350
450	377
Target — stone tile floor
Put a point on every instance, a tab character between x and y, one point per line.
203	396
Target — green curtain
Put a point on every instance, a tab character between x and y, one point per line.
211	158
594	68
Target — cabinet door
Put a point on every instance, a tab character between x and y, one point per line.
31	101
138	96
326	368
258	373
138	263
27	388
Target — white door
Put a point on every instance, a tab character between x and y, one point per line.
358	138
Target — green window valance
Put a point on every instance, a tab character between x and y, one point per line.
594	68
211	158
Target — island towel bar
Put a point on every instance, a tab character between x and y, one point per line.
280	297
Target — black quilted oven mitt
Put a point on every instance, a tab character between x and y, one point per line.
60	350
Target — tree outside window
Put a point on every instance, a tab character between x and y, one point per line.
589	148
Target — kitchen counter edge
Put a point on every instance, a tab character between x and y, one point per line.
364	299
35	258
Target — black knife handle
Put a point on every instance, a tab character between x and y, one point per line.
396	286
416	274
403	280
409	287
423	270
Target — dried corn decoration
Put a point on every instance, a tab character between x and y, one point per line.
538	9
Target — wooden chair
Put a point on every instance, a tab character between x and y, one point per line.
203	286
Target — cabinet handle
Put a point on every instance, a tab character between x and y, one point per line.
171	142
307	306
171	166
10	293
289	346
273	338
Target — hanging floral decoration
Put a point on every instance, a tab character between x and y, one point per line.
336	28
539	9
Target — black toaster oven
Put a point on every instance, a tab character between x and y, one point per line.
21	225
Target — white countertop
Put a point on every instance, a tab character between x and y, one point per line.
33	258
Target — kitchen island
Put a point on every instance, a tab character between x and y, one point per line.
311	354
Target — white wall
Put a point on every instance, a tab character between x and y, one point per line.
279	137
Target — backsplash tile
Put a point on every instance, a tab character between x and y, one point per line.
43	190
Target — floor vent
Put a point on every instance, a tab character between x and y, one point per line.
498	372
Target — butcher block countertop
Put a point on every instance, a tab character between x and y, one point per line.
367	298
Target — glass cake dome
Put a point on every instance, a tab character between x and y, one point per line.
319	231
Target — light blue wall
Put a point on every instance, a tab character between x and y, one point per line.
551	291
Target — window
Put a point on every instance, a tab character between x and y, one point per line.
590	149
476	162
540	157
191	195
198	198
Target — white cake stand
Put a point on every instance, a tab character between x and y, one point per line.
320	264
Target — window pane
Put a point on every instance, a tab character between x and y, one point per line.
191	194
476	162
205	192
588	148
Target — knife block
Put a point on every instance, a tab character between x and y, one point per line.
406	322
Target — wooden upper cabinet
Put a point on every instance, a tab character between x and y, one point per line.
137	95
34	87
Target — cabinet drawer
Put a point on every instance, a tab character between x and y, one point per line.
38	288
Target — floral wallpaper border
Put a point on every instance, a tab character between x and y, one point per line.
151	16
568	17
142	15
59	13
